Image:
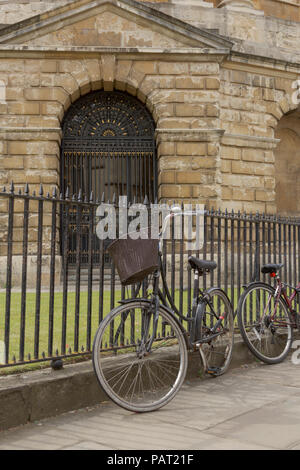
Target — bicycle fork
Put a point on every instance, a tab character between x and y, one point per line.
146	344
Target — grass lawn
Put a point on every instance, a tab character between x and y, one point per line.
15	321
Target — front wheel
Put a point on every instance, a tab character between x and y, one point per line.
265	323
216	348
140	357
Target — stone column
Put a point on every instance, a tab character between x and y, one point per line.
238	5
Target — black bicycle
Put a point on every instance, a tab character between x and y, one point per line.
140	351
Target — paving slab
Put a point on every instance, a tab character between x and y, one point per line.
251	408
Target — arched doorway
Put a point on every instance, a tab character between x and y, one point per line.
108	149
287	165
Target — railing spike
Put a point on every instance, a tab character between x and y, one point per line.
41	192
26	190
79	195
91	196
54	192
12	187
34	193
67	193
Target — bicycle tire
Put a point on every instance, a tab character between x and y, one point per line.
216	353
139	384
267	340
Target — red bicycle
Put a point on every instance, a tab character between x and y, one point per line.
267	318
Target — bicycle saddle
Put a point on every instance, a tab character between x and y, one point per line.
201	265
271	268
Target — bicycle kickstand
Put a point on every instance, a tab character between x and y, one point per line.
203	358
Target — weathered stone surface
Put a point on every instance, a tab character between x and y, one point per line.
185	77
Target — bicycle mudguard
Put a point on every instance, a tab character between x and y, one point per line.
212	289
126	301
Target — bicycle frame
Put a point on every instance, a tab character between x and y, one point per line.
200	299
280	292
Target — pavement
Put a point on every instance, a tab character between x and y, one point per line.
252	407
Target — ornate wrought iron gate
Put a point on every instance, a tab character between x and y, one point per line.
108	148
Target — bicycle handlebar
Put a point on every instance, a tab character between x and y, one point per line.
174	212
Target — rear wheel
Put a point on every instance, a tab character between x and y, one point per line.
216	352
265	323
134	375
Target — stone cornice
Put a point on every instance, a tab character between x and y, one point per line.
240	140
241	58
230	59
65	52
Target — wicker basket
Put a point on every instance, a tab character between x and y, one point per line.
134	259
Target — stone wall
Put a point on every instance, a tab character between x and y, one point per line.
257	32
183	97
216	112
215	126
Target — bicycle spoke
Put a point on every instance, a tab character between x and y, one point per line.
218	350
133	377
264	323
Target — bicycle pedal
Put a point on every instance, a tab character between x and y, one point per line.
213	370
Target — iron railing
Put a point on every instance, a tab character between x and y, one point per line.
51	308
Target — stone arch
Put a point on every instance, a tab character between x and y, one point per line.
287	164
80	77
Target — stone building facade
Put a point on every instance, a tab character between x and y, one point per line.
218	78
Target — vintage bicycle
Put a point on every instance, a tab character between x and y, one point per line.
140	351
267	318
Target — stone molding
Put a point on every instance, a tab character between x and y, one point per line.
243	6
239	140
31	133
188	135
197	3
131	53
